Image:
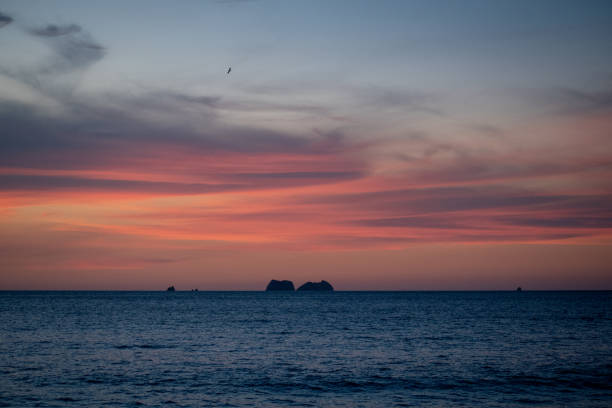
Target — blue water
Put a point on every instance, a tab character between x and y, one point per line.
353	349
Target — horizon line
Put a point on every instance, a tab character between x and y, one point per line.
294	291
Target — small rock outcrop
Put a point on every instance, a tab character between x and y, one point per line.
280	285
170	289
319	286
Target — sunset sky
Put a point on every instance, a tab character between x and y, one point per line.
391	145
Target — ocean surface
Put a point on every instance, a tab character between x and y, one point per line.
342	349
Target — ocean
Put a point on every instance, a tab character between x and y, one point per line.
341	349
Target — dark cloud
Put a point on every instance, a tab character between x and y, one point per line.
560	222
511	237
448	163
28	182
209	101
399	99
113	136
292	178
470	213
57	76
5	20
74	47
255	106
487	130
38	140
214	104
439	200
569	101
267	216
582	101
53	30
332	175
60	183
355	241
115	129
410	222
196	119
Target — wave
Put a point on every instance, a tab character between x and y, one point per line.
143	346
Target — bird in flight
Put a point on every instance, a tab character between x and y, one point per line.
229	70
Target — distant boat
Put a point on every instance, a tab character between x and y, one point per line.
170	289
519	289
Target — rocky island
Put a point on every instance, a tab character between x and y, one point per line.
280	285
318	286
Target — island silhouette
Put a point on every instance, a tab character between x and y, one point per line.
280	285
287	285
318	286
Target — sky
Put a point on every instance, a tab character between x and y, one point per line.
379	145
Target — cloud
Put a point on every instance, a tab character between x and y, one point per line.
544	152
209	101
255	106
112	126
343	102
235	182
354	241
407	202
583	101
486	130
464	214
339	241
275	179
96	136
74	47
53	30
569	101
57	76
465	209
578	221
406	100
18	182
5	20
410	222
430	187
340	175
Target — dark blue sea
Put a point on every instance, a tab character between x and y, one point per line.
342	349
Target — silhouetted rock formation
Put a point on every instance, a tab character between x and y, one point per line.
280	285
320	286
170	289
519	289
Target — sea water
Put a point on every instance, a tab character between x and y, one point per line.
351	349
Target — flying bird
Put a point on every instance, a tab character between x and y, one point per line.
229	70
